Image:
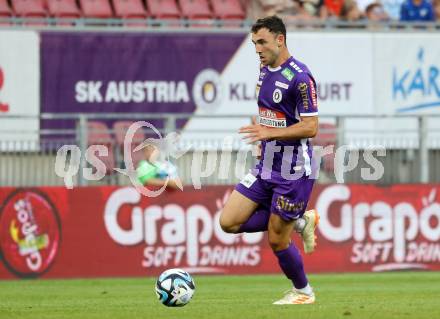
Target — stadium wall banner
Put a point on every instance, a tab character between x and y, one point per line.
132	72
408	82
19	83
52	232
196	73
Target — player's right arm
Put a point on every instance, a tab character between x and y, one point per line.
303	96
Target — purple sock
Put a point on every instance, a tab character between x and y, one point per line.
291	263
257	222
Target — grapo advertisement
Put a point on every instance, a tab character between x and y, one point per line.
52	232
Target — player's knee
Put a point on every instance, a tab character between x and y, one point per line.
227	226
277	242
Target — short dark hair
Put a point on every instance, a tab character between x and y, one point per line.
272	23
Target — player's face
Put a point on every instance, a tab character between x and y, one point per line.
267	46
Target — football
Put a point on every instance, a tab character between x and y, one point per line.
175	287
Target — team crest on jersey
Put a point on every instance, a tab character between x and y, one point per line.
271	118
277	96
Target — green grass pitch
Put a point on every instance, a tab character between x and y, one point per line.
377	296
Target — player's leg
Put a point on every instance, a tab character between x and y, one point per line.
298	192
244	211
236	212
290	261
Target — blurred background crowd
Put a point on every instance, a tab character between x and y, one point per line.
349	10
214	12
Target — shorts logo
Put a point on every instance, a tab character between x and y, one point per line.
271	118
302	88
277	96
285	204
248	180
30	233
288	74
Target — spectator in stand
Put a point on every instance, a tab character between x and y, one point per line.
363	4
392	8
376	13
350	11
436	5
313	7
417	10
333	8
286	9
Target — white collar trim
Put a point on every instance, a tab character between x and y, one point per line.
274	69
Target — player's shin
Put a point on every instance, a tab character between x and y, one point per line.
291	263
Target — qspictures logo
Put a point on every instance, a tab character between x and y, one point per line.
30	233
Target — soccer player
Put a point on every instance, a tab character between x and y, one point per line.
274	196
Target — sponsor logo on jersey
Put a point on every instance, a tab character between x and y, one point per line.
288	74
281	85
302	88
271	118
314	98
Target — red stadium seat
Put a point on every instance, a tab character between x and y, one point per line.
5	11
29	8
163	9
327	136
63	8
96	8
196	9
99	134
129	9
228	9
120	128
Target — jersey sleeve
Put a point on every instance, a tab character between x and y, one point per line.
304	94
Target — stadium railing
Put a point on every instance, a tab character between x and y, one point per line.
198	25
407	147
